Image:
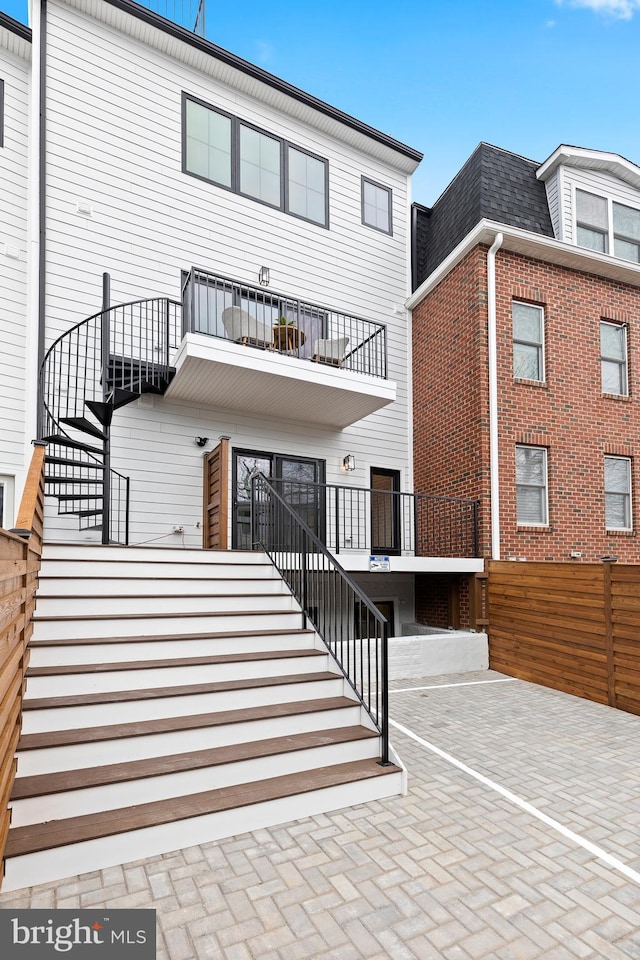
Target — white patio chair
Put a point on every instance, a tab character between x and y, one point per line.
243	328
330	351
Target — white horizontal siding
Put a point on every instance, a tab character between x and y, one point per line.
14	71
118	147
553	199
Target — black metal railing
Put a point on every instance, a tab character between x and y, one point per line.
353	629
385	521
220	307
101	361
189	14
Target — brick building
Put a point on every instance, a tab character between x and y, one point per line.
526	347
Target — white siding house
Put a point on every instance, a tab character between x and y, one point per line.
15	55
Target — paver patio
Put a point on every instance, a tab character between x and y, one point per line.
456	869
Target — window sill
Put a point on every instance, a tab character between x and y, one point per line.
620	533
534	527
616	396
532	383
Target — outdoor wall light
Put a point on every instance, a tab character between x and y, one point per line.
263	276
349	462
202	441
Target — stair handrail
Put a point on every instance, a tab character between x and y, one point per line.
329	599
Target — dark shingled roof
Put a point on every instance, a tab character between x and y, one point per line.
492	185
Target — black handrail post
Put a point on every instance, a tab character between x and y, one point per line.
305	583
337	513
106	465
126	515
475	528
384	699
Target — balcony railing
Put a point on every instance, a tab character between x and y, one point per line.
252	316
362	519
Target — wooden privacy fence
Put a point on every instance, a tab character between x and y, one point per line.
19	565
571	626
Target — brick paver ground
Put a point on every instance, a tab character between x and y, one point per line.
454	870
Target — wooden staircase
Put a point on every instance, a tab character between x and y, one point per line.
175	697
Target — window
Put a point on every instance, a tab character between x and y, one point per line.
617	493
6	501
528	341
613	358
222	149
607	226
376	206
531	486
592	221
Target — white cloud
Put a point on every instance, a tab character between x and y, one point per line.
618	9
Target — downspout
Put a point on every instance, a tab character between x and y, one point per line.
494	474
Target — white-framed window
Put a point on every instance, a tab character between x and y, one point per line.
617	493
607	226
528	341
613	358
6	502
231	153
532	507
376	205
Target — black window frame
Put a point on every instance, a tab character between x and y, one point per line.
380	186
285	146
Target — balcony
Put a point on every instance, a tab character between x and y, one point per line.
263	352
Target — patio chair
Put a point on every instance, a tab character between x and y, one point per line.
243	328
330	351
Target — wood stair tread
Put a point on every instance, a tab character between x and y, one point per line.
154	596
141	728
58	833
42	784
172	637
112	666
121	696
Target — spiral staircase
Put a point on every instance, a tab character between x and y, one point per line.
103	363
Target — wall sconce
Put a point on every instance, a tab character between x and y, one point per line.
263	276
202	441
349	462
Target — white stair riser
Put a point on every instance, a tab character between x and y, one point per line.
96	552
95	715
82	755
78	607
62	685
109	851
75	803
160	587
163	649
142	570
127	627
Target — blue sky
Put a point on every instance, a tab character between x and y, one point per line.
442	76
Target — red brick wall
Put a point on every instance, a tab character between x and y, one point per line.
568	413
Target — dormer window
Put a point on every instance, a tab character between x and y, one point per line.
592	221
607	226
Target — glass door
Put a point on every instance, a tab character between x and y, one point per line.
296	479
385	511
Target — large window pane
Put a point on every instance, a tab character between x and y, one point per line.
528	330
531	485
626	250
591	210
259	166
613	358
617	487
208	143
307	180
626	221
591	239
376	206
